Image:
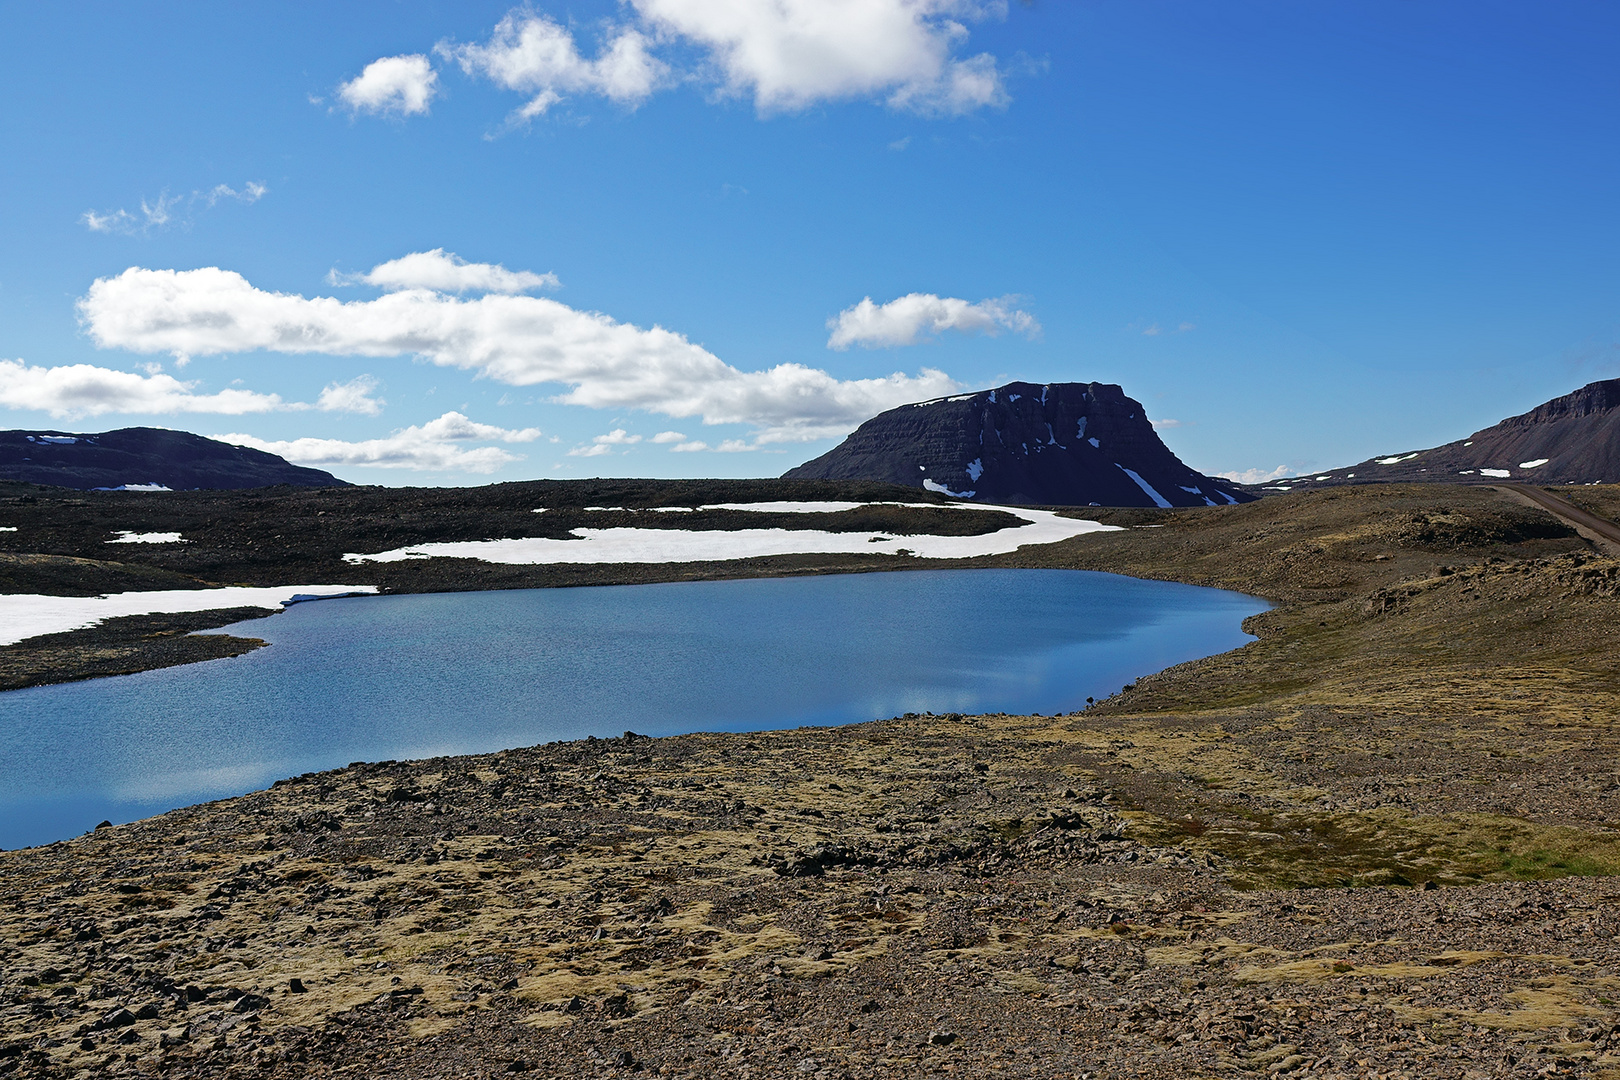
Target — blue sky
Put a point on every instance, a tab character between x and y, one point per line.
1300	233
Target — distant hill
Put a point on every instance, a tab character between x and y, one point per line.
1053	444
146	458
1574	439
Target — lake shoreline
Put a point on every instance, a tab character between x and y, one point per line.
1379	839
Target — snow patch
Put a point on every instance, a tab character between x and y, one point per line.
54	440
1191	490
933	485
1082	432
27	615
1158	500
975	469
8	528
125	537
1095	443
135	487
1536	464
1397	459
635	545
1500	474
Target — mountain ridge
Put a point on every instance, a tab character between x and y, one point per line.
1571	439
149	459
1052	444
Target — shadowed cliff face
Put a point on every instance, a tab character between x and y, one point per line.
1057	444
177	460
1574	439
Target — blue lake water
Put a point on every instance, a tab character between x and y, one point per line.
400	677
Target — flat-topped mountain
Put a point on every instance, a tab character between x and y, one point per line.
146	458
1574	439
1052	444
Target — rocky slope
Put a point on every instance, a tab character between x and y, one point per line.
1574	439
145	458
1057	444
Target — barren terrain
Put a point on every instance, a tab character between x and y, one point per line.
1379	841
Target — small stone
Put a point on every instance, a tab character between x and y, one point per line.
941	1038
296	986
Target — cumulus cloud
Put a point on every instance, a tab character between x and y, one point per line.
668	437
430	447
1257	476
353	396
402	85
534	55
443	271
792	54
74	390
604	444
918	316
517	340
690	447
786	55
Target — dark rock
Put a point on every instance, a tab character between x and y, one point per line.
941	1038
129	1036
173	459
1059	444
1574	439
116	1018
250	1003
296	986
148	1011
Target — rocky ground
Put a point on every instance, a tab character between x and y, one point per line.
1380	841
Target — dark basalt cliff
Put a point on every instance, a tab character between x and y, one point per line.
1053	444
1574	439
146	457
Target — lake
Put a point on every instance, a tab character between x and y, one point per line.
403	677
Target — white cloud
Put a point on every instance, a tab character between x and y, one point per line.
734	446
426	447
617	437
691	447
604	444
395	84
353	396
443	271
917	316
251	193
792	54
1166	423
786	55
594	450
75	390
668	437
534	55
162	212
517	340
1257	476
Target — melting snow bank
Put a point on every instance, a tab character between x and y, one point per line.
685	545
127	537
26	615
